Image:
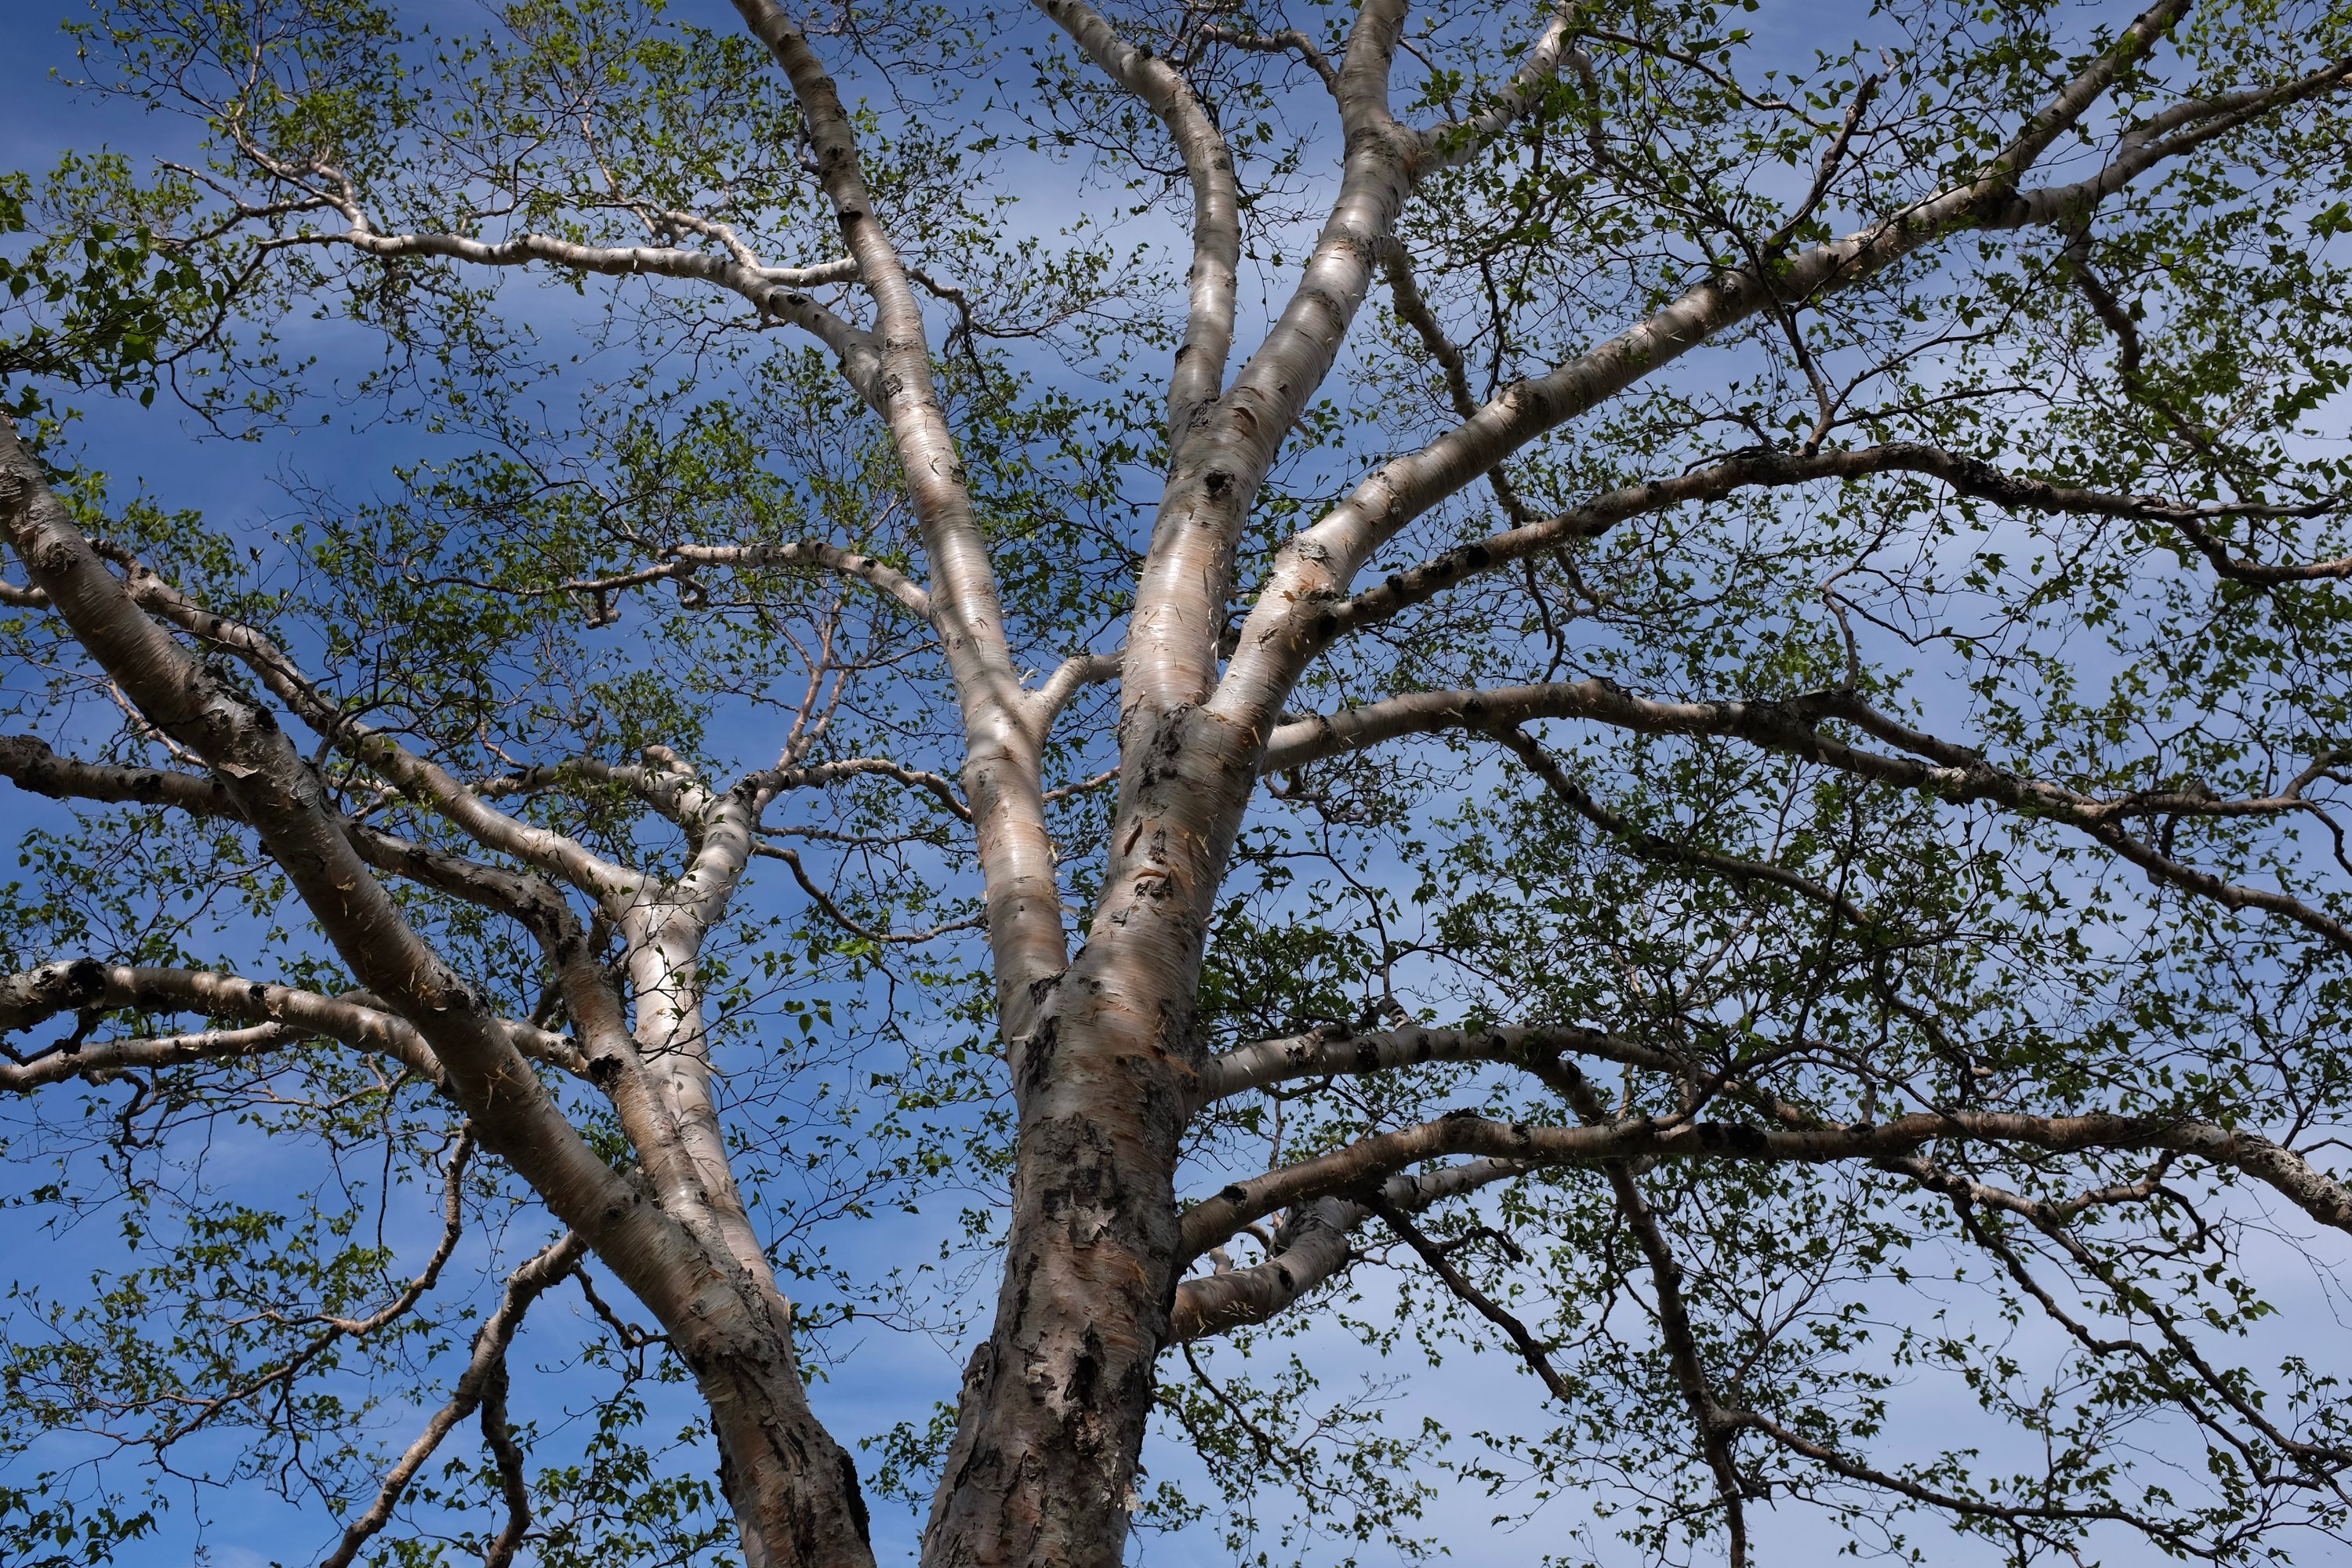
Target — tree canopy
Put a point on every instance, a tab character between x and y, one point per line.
1230	711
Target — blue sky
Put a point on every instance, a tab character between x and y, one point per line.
892	1376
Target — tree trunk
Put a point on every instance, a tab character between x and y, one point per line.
1054	1404
793	1490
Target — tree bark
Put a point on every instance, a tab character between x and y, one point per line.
1054	1404
794	1489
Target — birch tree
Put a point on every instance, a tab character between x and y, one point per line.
1653	688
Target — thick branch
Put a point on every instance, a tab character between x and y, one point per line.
276	792
1200	371
1936	767
1315	1244
1320	561
777	291
1025	909
1186	582
282	1015
1377	1157
1072	675
964	591
1320	1054
1966	475
1457	140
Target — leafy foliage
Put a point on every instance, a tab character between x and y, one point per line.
2090	729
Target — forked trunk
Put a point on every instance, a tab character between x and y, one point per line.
1056	1403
